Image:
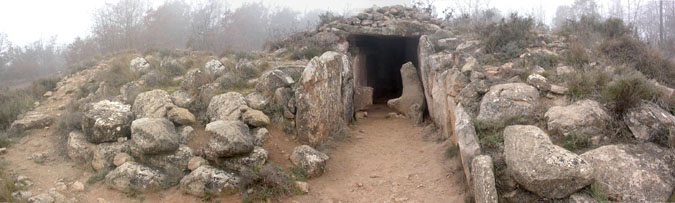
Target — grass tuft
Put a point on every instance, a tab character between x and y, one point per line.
99	176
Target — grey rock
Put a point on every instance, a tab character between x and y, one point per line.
153	136
313	162
259	136
633	173
255	118
469	145
413	94
106	121
542	167
255	159
180	116
508	100
79	149
30	120
139	65
104	154
257	101
272	80
214	67
584	118
194	79
227	139
226	107
483	179
131	90
132	176
182	99
207	180
649	123
151	104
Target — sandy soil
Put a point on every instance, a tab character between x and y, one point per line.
387	160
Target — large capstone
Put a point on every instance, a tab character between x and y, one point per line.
633	173
507	101
542	167
106	121
324	98
413	94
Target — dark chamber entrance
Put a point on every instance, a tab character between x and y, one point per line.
378	60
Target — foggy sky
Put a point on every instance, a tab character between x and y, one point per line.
26	21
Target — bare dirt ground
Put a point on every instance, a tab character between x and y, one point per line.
385	160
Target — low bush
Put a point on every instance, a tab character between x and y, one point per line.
451	151
508	38
576	55
99	176
307	52
267	183
627	91
572	142
585	84
7	184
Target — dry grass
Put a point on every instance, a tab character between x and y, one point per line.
19	101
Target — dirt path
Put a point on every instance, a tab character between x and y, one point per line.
387	160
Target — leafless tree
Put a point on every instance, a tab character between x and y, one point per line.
119	26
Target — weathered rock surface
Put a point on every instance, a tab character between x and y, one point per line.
132	176
539	82
257	101
255	118
174	165
255	159
30	120
583	118
151	104
363	97
214	67
131	90
469	145
633	173
139	65
153	136
180	115
207	180
542	167
79	149
194	79
227	139
104	154
182	99
483	178
649	123
324	98
508	100
122	158
310	160
106	121
259	136
272	80
226	107
413	94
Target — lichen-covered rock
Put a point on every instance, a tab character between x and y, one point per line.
196	162
227	139
104	154
139	65
508	100
122	158
180	116
214	67
255	159
649	123
132	176
186	133
324	98
539	82
272	80
30	120
208	91
483	179
413	94
182	99
207	180
259	136
153	136
106	121
151	104
174	164
470	65
584	118
79	149
255	118
581	197
194	79
226	107
257	101
131	90
633	173
469	145
542	167
313	162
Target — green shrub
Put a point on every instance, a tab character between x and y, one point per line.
576	55
584	84
627	91
509	37
308	52
646	59
490	133
573	142
268	183
7	184
99	176
451	151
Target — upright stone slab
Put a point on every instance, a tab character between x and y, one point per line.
324	98
413	94
469	146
